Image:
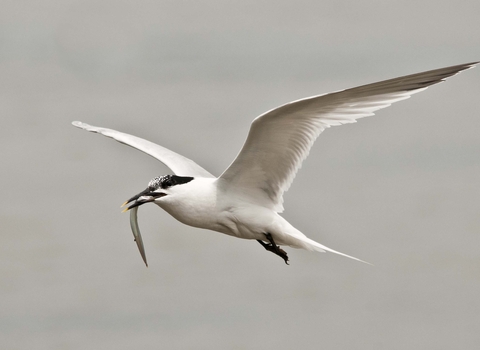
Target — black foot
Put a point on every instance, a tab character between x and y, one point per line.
272	247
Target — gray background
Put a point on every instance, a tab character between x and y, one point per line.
400	190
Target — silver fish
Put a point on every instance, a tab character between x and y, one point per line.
137	234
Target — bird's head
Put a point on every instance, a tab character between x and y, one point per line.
157	188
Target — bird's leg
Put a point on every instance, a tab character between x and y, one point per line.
272	247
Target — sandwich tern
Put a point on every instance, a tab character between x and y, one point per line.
245	201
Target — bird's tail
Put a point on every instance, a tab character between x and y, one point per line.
296	239
310	244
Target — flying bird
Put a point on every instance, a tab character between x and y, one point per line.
245	201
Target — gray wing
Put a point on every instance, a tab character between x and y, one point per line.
180	165
279	140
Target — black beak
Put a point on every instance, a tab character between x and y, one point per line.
143	197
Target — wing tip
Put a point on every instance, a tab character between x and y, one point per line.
87	127
472	64
80	124
463	67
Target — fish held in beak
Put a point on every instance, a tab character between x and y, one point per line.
136	233
143	197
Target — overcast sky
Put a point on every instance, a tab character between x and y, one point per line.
400	189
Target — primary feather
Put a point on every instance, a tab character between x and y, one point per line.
179	164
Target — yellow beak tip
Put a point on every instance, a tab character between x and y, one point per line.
124	204
124	210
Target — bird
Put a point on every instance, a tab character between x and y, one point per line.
246	200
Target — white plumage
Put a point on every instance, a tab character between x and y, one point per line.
246	199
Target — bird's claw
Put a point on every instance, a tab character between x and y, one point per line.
275	249
283	254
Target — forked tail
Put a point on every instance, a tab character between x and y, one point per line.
321	248
296	239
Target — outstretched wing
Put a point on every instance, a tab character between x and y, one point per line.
280	139
180	165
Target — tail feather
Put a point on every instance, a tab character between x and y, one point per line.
321	248
297	239
285	234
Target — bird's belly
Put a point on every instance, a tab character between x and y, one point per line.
197	216
243	222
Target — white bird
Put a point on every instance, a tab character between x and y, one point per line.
245	201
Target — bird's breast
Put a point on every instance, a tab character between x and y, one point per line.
195	204
192	212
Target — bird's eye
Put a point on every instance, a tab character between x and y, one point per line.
167	183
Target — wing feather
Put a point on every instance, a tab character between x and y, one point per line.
280	139
179	164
